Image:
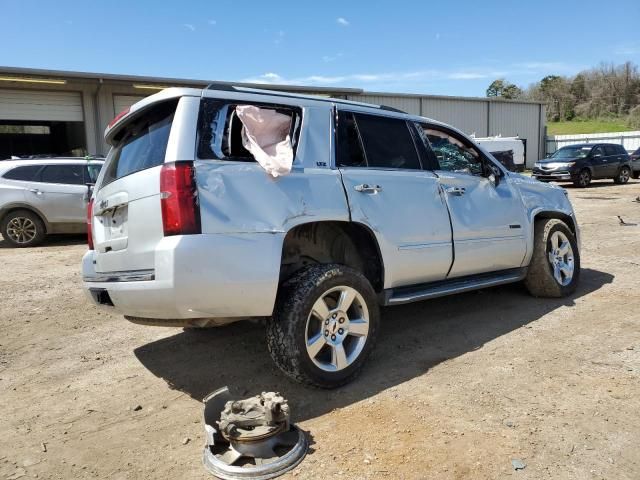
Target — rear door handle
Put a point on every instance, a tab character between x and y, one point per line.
364	188
457	191
36	191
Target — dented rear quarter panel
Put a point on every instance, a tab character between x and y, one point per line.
240	197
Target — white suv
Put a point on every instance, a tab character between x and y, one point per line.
379	208
45	195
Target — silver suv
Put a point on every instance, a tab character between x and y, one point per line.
379	208
42	196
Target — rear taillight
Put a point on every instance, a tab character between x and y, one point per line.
179	199
90	224
118	117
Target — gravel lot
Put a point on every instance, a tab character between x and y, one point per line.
457	388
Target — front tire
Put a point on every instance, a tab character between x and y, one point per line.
22	228
554	270
623	176
584	179
324	325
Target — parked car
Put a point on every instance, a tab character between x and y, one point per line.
635	163
43	196
379	207
585	162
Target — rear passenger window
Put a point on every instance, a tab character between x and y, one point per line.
387	142
611	150
142	143
349	152
66	174
26	173
220	130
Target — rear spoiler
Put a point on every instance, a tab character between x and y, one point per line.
138	108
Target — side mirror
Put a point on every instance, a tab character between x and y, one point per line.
548	155
596	155
495	174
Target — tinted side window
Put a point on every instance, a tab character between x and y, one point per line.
26	173
621	150
452	153
142	144
67	174
611	150
387	142
93	171
349	151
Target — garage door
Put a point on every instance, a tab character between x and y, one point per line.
120	102
46	106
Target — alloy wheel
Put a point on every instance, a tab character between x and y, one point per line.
22	230
561	258
337	328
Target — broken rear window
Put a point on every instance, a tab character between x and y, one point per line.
220	127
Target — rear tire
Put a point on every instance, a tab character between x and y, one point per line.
22	228
623	176
584	179
554	270
324	325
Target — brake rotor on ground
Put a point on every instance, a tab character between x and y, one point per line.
250	438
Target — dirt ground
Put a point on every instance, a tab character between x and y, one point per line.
457	387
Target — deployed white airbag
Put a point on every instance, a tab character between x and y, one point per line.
265	133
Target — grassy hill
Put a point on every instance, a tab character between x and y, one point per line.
586	126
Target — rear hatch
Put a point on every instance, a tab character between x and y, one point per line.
127	219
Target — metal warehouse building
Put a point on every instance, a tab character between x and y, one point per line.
60	112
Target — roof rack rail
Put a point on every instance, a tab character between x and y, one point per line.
276	92
392	109
225	87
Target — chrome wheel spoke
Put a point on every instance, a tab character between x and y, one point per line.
339	357
557	274
554	241
315	345
358	327
567	269
346	299
564	248
320	309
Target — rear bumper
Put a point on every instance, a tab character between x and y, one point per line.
194	277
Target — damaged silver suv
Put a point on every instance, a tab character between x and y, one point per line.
231	203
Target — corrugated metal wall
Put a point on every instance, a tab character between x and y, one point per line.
522	119
468	116
40	105
475	116
406	104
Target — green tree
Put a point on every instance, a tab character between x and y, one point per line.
502	88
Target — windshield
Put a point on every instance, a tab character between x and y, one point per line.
571	152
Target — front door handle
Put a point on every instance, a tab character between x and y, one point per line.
36	191
457	191
364	188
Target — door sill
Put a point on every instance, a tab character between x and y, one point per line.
415	293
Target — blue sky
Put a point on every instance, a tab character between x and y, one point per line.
448	48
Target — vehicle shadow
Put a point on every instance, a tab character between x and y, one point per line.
53	241
413	339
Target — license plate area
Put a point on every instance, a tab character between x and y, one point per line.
114	227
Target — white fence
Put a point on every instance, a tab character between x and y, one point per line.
630	140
